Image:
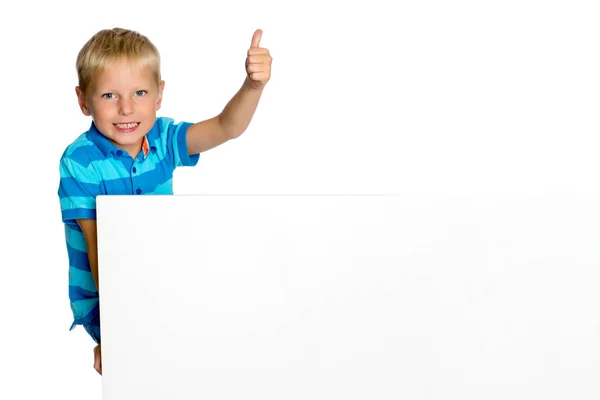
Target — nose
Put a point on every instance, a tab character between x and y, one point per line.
125	106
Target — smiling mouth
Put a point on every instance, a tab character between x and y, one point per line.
127	125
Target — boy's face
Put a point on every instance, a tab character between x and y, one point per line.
123	103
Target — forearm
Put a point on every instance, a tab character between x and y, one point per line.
89	230
238	113
93	258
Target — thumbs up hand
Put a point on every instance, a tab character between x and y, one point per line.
258	63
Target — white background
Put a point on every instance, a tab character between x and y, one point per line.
365	97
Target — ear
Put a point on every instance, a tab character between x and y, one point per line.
81	100
161	87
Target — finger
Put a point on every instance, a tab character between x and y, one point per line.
259	76
256	38
259	59
257	50
258	68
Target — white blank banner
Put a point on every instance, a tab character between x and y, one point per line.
350	297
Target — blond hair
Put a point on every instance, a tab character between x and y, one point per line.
109	45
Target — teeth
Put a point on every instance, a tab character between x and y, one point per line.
127	126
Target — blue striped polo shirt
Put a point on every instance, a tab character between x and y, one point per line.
90	166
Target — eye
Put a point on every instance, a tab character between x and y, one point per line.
140	92
108	95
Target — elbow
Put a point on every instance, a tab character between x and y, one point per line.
235	135
230	130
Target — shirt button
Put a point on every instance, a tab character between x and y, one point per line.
138	190
134	170
119	153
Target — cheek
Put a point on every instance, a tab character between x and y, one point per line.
101	108
148	105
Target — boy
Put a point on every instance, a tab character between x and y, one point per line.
128	149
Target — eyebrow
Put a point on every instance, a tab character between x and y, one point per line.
116	91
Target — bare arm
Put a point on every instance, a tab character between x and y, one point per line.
237	114
230	124
88	227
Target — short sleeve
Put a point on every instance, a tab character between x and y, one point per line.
78	188
177	135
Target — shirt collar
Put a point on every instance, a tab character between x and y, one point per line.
108	148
